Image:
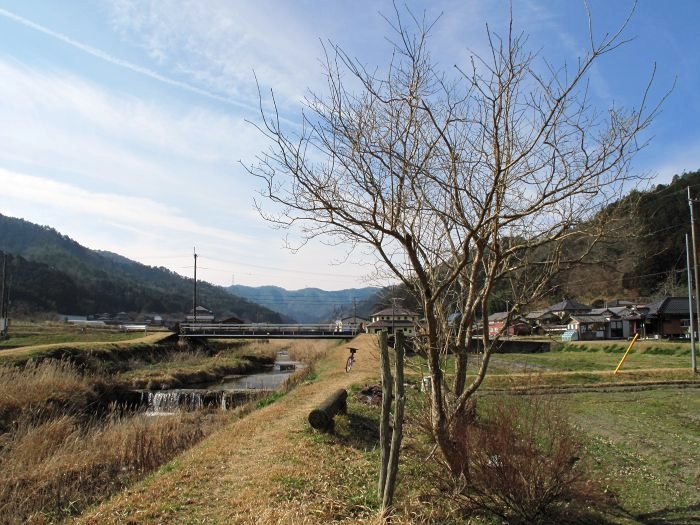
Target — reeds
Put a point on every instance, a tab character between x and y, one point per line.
54	469
39	391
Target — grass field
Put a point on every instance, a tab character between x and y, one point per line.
32	334
269	467
634	443
643	446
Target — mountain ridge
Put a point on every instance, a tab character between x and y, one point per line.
50	272
311	305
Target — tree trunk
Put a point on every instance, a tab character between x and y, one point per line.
397	434
384	435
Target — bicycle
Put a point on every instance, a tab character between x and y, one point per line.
351	359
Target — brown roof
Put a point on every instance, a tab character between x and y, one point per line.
395	312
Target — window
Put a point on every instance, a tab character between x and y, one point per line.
685	323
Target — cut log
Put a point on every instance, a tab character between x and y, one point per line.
321	418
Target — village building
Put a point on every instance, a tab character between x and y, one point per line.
542	321
233	319
667	318
352	323
204	315
394	320
518	325
567	308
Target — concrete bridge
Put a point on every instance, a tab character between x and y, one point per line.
264	331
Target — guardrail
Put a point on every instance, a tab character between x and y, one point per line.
265	331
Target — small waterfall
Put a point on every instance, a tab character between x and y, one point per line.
169	401
166	402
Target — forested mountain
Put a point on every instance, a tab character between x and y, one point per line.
311	305
648	260
645	261
50	272
663	220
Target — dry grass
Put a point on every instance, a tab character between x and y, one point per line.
55	469
42	351
57	459
39	391
310	351
270	454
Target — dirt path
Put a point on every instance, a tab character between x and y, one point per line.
226	478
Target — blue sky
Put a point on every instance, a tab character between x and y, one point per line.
122	123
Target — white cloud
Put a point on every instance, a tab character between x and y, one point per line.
128	211
98	53
218	44
70	128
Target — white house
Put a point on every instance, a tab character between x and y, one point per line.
394	319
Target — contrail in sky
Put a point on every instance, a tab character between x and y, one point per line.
120	62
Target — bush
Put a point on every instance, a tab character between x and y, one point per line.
521	460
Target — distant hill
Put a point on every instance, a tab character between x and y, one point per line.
649	261
50	272
311	305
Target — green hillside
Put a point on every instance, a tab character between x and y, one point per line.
648	259
50	272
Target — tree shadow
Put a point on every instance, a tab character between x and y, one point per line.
357	431
689	515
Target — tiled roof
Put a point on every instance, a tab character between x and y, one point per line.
587	319
540	314
388	324
567	305
395	312
669	306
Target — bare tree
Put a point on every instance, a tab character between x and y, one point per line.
490	175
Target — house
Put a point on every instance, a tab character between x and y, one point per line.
394	320
567	308
203	315
153	320
627	321
518	325
232	319
589	326
667	318
352	323
542	321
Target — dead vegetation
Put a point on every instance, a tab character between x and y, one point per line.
521	461
55	469
62	451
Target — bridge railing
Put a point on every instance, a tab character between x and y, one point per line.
261	329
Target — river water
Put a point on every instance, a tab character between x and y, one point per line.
227	393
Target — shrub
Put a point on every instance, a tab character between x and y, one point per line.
520	460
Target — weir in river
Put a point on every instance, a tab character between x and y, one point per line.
231	392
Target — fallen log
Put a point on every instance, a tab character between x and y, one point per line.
321	418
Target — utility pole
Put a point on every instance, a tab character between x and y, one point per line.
695	257
690	309
194	292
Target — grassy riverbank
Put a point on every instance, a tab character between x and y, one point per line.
263	464
291	474
62	448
